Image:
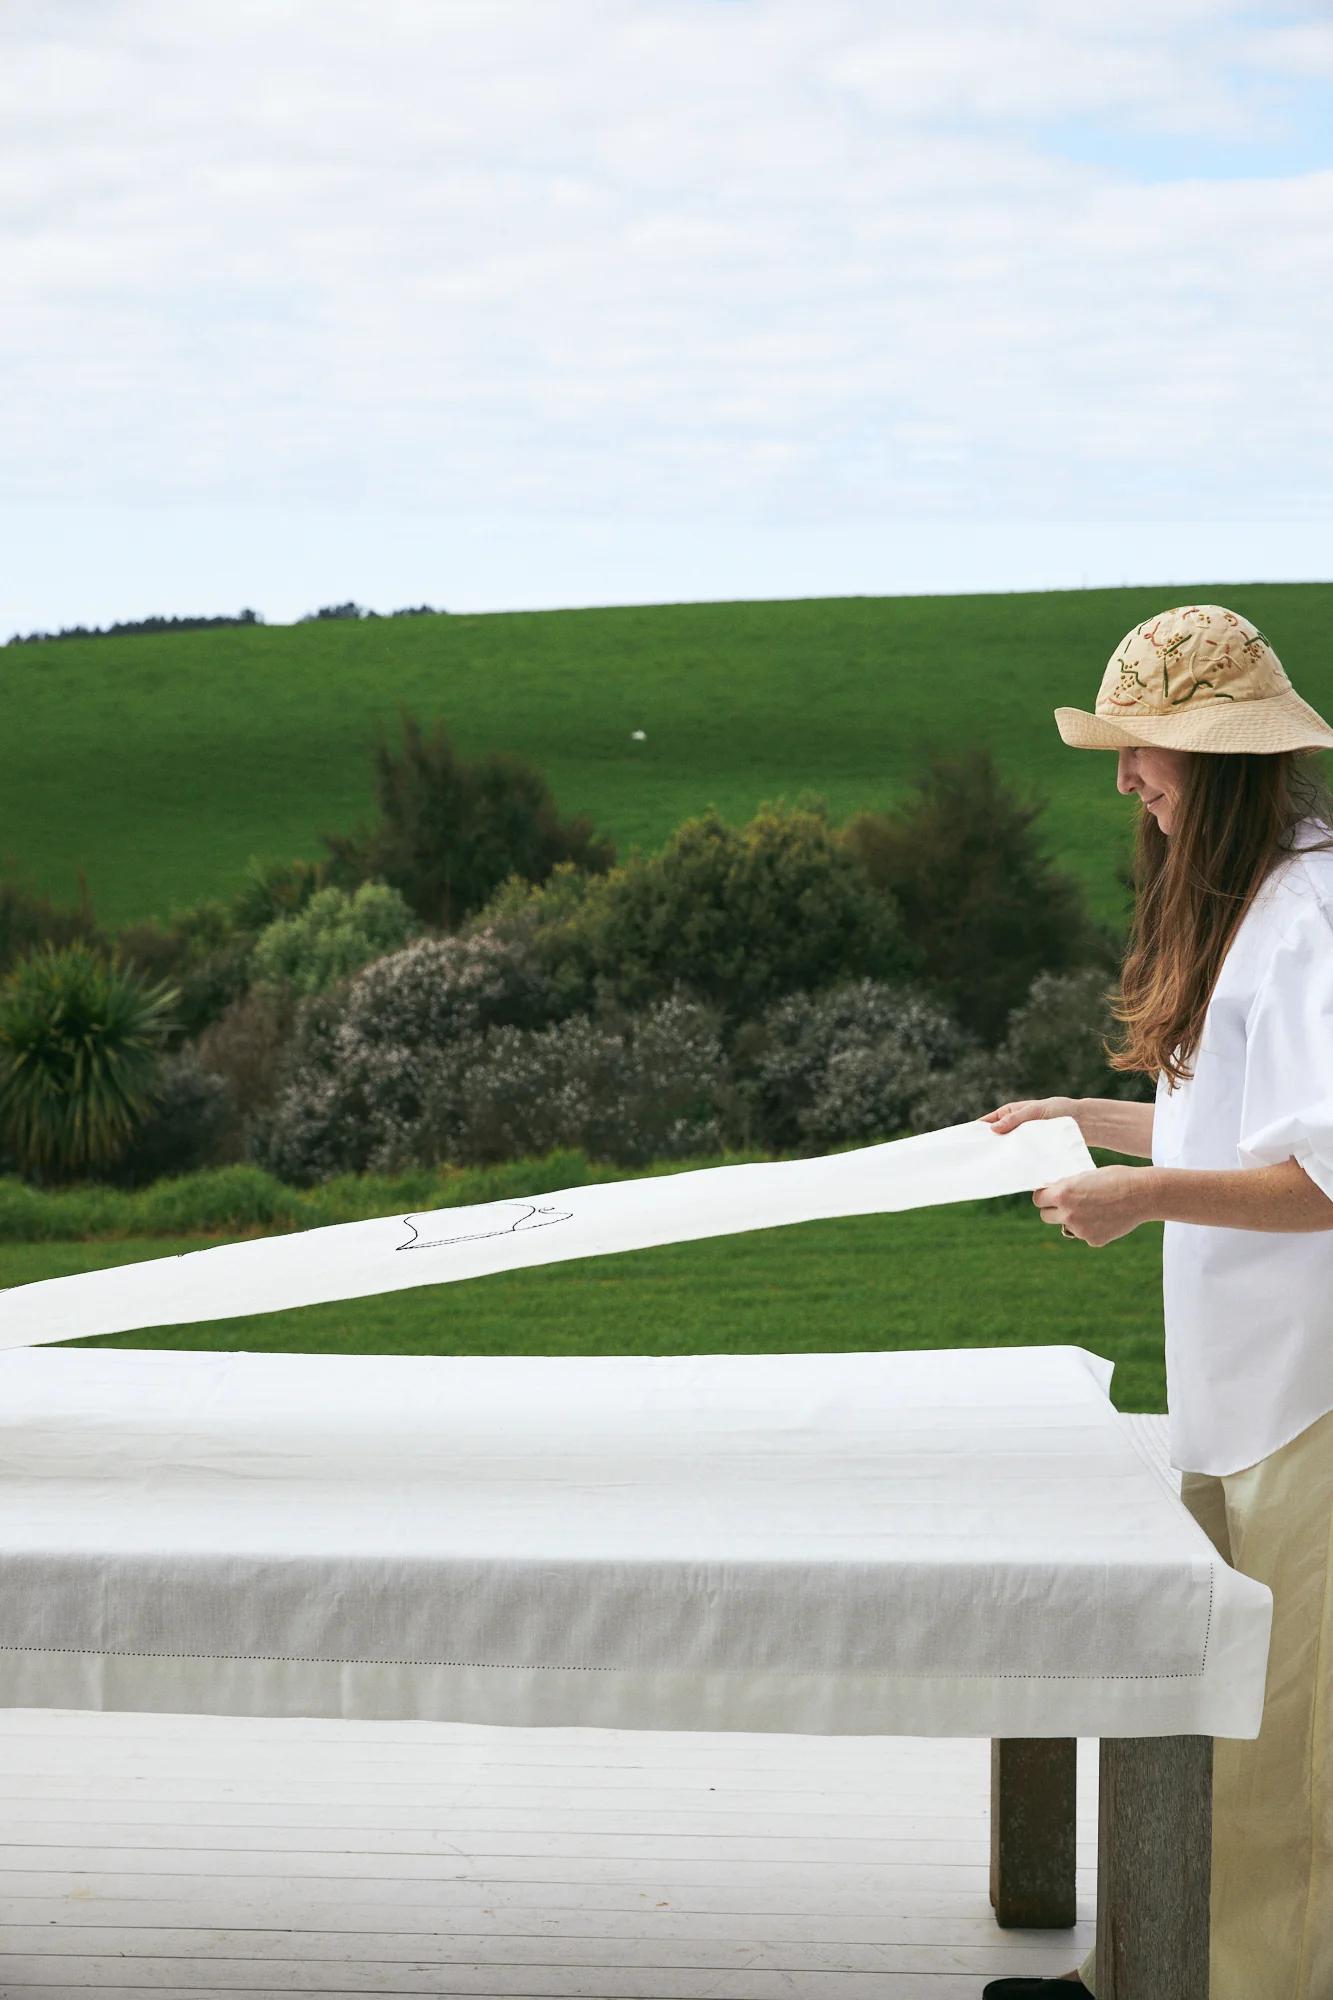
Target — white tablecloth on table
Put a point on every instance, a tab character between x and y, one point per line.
353	1260
950	1543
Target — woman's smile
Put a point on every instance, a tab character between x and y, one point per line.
1136	767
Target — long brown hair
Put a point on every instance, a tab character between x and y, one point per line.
1235	818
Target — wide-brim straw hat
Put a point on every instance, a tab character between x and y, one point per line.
1197	677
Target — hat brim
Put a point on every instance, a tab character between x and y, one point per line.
1271	723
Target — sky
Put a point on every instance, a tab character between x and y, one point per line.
499	304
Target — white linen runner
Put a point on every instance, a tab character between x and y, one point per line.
926	1543
394	1253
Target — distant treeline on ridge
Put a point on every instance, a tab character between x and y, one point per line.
201	624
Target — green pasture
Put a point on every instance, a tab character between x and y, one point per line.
982	1274
160	764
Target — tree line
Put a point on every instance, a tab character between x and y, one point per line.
125	627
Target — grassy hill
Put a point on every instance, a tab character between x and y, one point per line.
160	764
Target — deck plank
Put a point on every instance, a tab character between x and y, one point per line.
129	1876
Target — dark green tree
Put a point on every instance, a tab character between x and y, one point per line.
980	898
451	831
735	915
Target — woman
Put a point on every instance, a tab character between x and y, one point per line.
1227	998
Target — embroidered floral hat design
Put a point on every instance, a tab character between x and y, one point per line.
1197	677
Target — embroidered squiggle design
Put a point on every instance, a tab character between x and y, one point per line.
520	1223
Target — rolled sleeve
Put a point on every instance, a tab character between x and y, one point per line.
1287	1097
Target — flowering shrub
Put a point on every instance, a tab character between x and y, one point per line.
1052	1047
825	1069
975	1083
628	1091
631	1091
332	936
350	1106
438	990
367	1060
1053	1043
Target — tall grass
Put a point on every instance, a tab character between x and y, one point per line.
241	1200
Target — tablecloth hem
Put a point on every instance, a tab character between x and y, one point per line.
787	1703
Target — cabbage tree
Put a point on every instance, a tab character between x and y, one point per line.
81	1037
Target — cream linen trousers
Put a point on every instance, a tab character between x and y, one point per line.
1272	1882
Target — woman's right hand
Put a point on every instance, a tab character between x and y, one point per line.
1006	1116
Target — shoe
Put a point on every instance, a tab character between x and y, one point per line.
1032	1989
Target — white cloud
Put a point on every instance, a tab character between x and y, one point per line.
603	256
1302	48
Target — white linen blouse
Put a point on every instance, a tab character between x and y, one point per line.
1248	1312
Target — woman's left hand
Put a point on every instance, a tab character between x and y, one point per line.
1098	1207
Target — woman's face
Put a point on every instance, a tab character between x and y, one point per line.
1157	775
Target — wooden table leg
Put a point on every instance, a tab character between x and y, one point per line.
1032	1797
1154	1867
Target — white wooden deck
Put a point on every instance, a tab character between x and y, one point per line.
186	1855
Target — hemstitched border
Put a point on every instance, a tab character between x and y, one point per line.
549	1667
